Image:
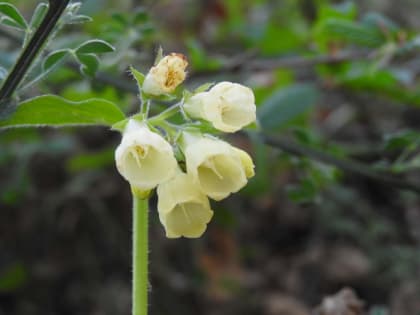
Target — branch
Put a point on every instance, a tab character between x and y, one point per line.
248	62
55	9
347	165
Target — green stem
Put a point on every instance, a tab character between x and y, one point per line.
171	111
140	255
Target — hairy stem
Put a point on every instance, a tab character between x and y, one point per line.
140	255
55	10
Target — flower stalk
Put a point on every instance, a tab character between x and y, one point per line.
140	254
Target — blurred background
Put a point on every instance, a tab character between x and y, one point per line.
330	224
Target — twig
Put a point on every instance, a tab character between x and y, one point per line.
346	165
255	64
56	8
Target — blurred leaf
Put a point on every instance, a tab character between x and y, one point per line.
54	58
141	16
94	46
12	13
12	278
90	161
89	64
37	16
198	57
286	104
352	32
306	191
80	19
138	76
380	21
346	10
51	110
401	139
203	87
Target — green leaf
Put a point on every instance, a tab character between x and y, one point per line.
380	21
5	20
286	104
13	14
53	58
203	87
80	19
94	46
159	56
39	13
89	64
55	111
361	34
138	76
140	17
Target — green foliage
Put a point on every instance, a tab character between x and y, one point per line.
54	58
10	16
38	15
94	46
286	105
50	110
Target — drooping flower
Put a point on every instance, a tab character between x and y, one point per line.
228	106
166	75
144	158
217	167
183	209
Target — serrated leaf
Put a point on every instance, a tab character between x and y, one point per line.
89	64
94	46
54	58
39	13
286	104
55	111
138	76
13	13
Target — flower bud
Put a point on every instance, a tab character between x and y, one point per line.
218	168
183	209
144	158
228	106
166	75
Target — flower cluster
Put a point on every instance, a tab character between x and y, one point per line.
186	165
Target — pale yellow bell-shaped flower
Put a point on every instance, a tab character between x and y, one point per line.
183	209
144	158
217	167
166	75
228	106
